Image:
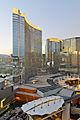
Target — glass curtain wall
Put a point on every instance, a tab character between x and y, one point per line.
27	43
71	54
53	55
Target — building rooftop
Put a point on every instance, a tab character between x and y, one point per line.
54	40
47	88
28	94
45	105
66	92
27	87
17	11
72	38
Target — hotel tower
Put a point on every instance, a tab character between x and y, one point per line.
27	43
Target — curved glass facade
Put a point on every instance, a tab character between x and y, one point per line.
27	42
18	35
33	50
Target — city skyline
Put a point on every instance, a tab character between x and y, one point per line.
56	18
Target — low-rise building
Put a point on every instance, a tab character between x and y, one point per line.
6	92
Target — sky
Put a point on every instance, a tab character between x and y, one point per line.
57	18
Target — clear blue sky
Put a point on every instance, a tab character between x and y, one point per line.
57	18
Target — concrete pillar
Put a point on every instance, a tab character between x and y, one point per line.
66	112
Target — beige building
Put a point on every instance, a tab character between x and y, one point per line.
71	54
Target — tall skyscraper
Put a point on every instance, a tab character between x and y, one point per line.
27	43
18	34
53	53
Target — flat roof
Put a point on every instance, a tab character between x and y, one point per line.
27	87
30	94
72	38
65	92
47	88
